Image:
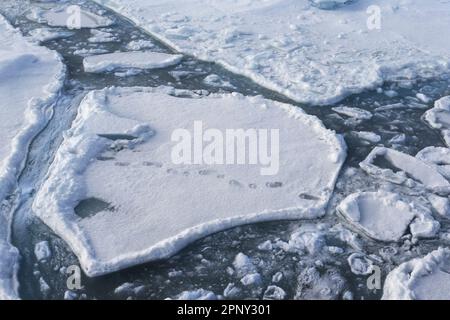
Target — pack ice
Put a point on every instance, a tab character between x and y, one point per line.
117	197
439	118
426	278
308	54
30	79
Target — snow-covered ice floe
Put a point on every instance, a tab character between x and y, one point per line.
401	168
115	195
133	59
384	216
426	278
293	47
439	118
30	79
72	17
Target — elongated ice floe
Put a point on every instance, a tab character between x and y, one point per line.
385	216
426	278
69	16
30	80
133	59
118	193
439	118
401	168
308	54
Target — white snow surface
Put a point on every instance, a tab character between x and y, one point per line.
439	118
426	278
30	79
134	59
384	216
290	46
155	207
404	169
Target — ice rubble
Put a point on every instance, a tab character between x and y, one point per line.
118	152
401	168
134	59
67	16
30	79
439	118
426	278
310	55
385	216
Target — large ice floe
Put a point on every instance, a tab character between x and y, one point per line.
426	278
116	195
385	216
293	47
30	79
401	168
134	59
439	118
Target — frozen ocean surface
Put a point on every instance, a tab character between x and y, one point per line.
329	257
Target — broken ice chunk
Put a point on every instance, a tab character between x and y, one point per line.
42	250
356	113
401	168
360	264
437	157
385	216
426	278
439	118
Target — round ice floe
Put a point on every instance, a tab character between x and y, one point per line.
385	216
439	118
426	278
360	264
148	200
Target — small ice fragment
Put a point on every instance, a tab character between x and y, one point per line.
42	250
274	293
252	279
360	264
